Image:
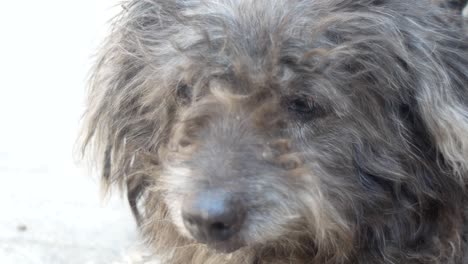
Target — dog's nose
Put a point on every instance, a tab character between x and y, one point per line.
213	216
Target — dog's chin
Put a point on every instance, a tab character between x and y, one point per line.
226	247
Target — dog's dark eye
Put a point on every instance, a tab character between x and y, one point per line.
304	107
183	93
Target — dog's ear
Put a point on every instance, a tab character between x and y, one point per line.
127	104
442	98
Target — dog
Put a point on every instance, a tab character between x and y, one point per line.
287	131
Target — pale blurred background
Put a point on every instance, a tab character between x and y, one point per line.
50	208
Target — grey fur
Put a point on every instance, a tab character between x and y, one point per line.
342	125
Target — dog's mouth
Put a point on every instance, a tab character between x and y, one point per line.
220	245
225	246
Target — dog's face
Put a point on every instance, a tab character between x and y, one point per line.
247	161
257	122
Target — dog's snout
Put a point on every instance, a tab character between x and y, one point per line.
213	216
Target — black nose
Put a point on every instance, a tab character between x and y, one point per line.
213	216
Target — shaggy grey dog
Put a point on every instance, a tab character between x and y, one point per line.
287	131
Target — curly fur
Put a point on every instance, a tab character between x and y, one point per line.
196	94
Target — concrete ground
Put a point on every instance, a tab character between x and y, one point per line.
52	217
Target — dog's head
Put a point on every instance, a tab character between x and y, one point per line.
312	124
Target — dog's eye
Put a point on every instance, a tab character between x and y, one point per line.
183	93
304	107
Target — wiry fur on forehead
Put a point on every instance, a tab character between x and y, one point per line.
395	55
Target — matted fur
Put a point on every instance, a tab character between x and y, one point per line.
341	124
